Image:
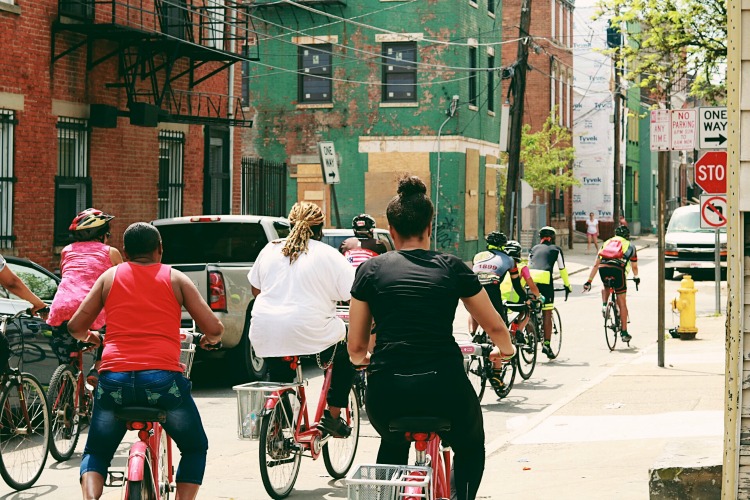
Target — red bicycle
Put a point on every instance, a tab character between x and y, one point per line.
70	401
150	471
278	415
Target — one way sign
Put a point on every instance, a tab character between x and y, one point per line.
329	163
712	128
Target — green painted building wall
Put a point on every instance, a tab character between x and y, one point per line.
376	141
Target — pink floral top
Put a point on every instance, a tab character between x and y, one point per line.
81	264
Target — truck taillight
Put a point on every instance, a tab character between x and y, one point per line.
217	294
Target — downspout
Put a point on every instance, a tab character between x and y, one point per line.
230	112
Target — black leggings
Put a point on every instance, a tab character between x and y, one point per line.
341	378
445	393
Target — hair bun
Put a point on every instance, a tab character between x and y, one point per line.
411	184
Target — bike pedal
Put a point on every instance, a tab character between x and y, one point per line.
115	479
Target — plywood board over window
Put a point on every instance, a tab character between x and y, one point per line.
381	179
491	199
310	187
471	215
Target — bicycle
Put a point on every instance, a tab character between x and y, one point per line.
150	472
479	368
71	401
24	420
277	414
360	379
612	323
555	341
525	340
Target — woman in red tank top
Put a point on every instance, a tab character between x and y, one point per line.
140	364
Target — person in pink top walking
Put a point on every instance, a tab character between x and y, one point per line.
81	264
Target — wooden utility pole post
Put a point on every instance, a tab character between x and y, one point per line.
518	89
618	132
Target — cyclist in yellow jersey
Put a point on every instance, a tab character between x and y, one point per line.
616	267
509	294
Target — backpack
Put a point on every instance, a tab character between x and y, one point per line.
612	250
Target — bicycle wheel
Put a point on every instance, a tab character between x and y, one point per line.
555	341
507	375
527	351
164	485
143	489
61	399
475	369
280	456
24	432
611	327
338	453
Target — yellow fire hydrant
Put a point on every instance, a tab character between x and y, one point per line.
685	304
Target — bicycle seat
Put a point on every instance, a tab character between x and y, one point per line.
419	424
140	414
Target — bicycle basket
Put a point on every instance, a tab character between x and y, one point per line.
251	400
388	482
187	354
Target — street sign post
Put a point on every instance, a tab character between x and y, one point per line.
684	125
713	211
660	130
712	128
711	172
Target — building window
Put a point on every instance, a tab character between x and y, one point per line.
72	183
491	6
553	11
6	177
171	160
557	204
490	83
214	23
246	76
315	73
473	76
400	72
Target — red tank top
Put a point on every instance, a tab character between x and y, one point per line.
143	321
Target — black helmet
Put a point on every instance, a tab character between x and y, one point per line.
547	231
496	239
513	248
363	223
623	232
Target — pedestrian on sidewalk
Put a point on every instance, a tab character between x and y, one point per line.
592	233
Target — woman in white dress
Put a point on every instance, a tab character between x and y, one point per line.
592	232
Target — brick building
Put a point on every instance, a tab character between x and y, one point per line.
549	86
377	78
124	105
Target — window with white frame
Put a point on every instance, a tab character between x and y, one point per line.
171	161
553	86
560	85
72	183
7	122
553	11
214	23
315	72
399	71
473	76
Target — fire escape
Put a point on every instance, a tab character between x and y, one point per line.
164	50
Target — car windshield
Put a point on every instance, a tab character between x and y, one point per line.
41	284
199	242
688	221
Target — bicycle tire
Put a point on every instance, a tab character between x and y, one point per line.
165	487
507	375
143	489
611	328
555	341
475	367
276	448
528	350
23	455
64	418
337	464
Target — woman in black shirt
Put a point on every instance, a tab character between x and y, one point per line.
416	368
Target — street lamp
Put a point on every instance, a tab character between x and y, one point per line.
451	112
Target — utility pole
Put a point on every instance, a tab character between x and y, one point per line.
614	41
518	89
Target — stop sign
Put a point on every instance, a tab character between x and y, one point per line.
711	172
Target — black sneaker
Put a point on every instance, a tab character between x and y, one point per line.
336	427
520	340
625	336
496	381
547	349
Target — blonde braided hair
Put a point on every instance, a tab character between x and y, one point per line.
302	216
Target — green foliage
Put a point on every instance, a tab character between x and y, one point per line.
668	40
547	155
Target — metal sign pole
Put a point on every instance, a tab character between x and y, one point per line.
717	264
663	166
335	206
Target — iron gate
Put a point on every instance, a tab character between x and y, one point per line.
263	187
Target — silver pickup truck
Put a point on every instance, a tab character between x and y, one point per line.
216	252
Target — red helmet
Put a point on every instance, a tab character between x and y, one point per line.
90	224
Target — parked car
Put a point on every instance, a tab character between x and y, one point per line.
688	246
217	252
29	338
335	237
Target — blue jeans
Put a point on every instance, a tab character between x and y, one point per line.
167	390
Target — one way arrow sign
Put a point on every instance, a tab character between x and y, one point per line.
712	128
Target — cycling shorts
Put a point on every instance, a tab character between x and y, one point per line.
548	291
617	275
496	298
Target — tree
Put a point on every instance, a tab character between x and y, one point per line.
546	156
668	40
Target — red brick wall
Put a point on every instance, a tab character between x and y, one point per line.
123	162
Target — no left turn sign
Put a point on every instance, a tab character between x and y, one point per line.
713	211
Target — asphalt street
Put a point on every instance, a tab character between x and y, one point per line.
526	448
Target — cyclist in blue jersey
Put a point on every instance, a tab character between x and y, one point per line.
542	260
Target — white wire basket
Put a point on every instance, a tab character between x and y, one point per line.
187	351
389	482
251	400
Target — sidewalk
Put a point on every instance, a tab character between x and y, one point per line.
602	441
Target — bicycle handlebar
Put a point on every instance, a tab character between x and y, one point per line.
196	337
564	289
474	349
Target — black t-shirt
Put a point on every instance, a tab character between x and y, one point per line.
413	296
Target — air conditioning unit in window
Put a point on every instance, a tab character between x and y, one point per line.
82	10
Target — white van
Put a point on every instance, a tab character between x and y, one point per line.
688	246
